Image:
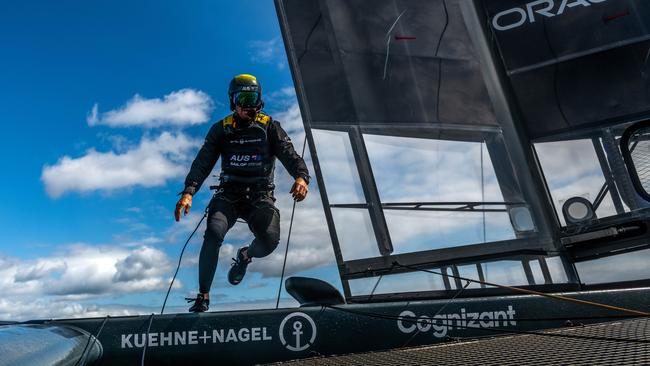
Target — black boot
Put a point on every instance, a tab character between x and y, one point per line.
238	269
200	304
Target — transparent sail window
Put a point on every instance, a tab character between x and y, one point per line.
355	234
503	272
437	193
470	272
572	169
623	267
338	167
418	169
536	270
403	282
413	231
556	269
510	272
506	272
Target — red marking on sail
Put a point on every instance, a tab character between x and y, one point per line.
404	38
609	18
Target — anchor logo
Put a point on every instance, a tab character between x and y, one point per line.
302	337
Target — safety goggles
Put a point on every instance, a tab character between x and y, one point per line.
247	99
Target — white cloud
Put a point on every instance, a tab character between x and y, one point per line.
92	117
283	100
565	161
300	258
254	285
291	120
286	92
184	107
20	309
83	271
150	164
40	269
78	281
139	265
268	52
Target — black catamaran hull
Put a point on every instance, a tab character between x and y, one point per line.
263	336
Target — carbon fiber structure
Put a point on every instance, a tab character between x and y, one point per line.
615	343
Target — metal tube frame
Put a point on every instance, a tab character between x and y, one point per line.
304	108
517	141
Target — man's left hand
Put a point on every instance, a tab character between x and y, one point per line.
299	189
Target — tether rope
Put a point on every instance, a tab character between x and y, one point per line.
531	292
439	311
146	340
180	258
171	284
93	339
286	250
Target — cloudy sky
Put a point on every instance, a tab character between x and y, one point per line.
104	106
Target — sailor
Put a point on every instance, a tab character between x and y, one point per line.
247	141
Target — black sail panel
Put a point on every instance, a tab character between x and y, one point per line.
574	64
364	62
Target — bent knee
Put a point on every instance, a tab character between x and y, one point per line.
214	234
270	238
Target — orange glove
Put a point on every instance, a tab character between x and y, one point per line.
299	189
184	203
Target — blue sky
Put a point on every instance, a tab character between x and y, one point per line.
61	58
84	243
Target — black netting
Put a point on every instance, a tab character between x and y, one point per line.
616	343
639	146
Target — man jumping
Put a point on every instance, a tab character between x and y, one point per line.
248	141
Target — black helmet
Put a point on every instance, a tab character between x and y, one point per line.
244	83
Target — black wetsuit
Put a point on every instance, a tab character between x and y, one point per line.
247	152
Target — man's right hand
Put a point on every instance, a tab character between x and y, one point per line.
185	203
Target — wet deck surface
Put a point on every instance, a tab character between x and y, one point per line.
616	343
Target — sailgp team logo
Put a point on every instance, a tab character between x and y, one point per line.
297	332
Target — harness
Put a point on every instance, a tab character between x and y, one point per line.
246	158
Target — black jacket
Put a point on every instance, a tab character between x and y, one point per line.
280	146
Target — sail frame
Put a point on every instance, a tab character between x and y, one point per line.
514	137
